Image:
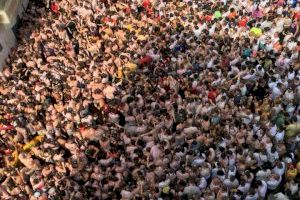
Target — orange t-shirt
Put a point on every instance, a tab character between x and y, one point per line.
208	18
232	15
277	46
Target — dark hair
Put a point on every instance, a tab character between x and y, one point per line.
220	172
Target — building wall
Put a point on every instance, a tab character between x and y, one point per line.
7	41
8	18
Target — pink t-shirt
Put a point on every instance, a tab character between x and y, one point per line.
257	13
155	152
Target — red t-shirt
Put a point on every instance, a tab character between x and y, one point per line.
109	20
212	95
106	19
225	63
146	4
280	2
127	10
111	155
297	15
149	11
243	22
157	18
54	7
6	127
81	129
145	60
106	108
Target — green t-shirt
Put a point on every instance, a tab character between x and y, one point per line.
217	14
261	45
280	120
268	63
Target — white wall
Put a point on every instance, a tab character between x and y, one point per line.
7	37
7	40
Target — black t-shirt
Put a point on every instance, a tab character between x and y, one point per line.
260	92
76	47
122	121
181	93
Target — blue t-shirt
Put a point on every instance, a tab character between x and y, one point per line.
247	53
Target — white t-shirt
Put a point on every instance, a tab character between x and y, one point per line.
273	130
291	45
289	95
262	190
126	194
276	92
279	171
273	183
266	24
252	197
272	156
262	175
260	72
291	75
202	184
212	30
230	184
244	189
232	173
280	136
257	158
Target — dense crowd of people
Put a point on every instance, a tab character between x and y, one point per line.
153	99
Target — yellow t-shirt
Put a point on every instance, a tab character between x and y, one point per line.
141	37
257	32
131	66
120	73
108	31
291	173
129	27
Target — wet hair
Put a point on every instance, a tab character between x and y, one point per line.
242	182
273	149
220	173
259	183
288	192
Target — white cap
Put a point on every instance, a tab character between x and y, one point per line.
37	194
